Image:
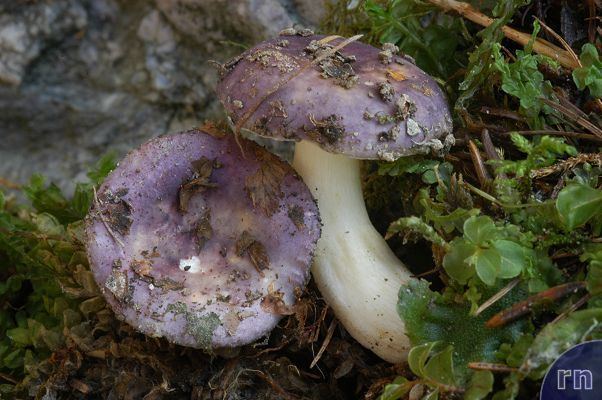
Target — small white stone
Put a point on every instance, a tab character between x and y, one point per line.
192	264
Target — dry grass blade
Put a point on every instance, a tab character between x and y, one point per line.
478	163
325	343
8	378
574	115
488	146
540	46
493	367
578	304
493	299
274	385
491	151
562	41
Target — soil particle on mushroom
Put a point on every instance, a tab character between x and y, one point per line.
404	107
296	214
274	58
386	91
387	53
328	130
116	211
333	65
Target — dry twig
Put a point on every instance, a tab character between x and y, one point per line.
325	343
540	46
493	367
570	163
521	308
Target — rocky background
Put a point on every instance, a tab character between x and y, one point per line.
81	77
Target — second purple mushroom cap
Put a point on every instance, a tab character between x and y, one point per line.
202	242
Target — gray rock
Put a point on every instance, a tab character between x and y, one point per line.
27	31
81	77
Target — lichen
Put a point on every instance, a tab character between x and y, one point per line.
201	328
176	308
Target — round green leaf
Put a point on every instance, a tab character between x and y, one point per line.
512	256
455	263
440	367
418	356
479	229
487	264
578	203
481	384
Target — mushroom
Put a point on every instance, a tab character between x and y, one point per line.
193	240
343	101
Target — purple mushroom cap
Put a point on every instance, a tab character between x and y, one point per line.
192	240
357	100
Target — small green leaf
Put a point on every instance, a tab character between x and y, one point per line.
14	359
481	384
21	336
455	263
590	74
487	264
102	168
593	254
418	357
92	305
479	229
440	367
518	350
396	389
48	224
513	258
578	203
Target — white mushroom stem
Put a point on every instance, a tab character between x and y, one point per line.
354	268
